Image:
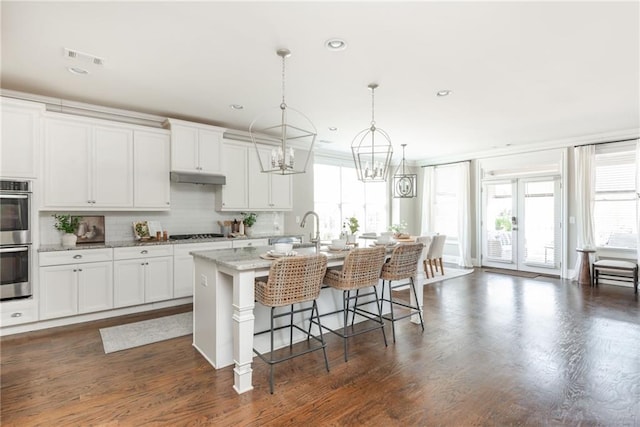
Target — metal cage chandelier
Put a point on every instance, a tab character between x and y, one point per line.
404	184
293	131
372	149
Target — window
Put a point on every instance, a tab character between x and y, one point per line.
614	216
338	194
446	200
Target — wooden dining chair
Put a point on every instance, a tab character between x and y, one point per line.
426	245
434	256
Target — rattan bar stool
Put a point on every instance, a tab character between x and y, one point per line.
402	265
361	269
292	280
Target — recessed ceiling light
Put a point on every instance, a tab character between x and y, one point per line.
333	128
236	106
335	44
77	70
325	141
444	92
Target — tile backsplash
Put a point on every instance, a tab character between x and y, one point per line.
192	211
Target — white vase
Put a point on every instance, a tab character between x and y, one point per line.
351	238
248	231
69	240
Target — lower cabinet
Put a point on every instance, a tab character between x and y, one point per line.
183	265
142	275
70	283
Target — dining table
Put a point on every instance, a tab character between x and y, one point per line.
225	315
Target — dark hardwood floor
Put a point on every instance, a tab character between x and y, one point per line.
497	350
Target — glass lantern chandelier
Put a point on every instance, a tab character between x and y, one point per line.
293	131
404	184
372	149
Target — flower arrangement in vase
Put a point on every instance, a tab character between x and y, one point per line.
69	225
354	226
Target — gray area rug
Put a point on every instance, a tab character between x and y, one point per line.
136	334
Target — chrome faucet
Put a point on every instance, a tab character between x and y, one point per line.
315	240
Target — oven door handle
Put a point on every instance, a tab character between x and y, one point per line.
20	249
14	196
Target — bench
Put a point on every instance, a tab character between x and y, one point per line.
624	271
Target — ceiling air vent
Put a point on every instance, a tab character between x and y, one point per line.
84	57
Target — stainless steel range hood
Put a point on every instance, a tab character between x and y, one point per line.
198	178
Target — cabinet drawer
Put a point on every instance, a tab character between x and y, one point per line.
185	249
75	256
18	312
250	242
142	252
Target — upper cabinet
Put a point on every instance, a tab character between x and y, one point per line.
19	146
96	164
195	147
247	187
151	163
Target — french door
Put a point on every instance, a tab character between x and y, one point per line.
521	224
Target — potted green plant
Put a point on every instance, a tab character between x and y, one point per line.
354	226
398	229
248	219
68	225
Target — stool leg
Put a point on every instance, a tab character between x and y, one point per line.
291	328
345	307
271	354
324	346
635	280
393	320
384	334
415	294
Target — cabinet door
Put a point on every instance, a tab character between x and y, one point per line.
234	193
67	164
19	143
151	166
281	192
184	148
95	287
158	279
182	276
259	183
210	151
113	167
128	282
58	291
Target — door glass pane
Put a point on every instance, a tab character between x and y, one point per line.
539	222
498	226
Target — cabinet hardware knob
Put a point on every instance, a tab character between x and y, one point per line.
146	263
77	256
18	314
142	263
74	270
144	252
79	269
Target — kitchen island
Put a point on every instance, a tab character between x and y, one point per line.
224	313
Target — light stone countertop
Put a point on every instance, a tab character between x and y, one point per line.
133	243
248	258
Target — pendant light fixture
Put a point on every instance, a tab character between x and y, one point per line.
404	184
372	149
294	132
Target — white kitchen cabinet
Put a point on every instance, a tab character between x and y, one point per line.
183	265
267	191
195	147
151	170
87	165
247	187
234	195
142	274
75	282
19	146
16	312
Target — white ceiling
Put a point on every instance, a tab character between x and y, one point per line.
521	73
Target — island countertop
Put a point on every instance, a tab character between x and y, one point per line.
248	258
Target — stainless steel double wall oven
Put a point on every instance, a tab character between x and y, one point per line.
15	239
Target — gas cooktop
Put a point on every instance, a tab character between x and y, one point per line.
195	236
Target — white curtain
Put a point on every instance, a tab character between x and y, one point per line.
464	215
584	197
427	223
